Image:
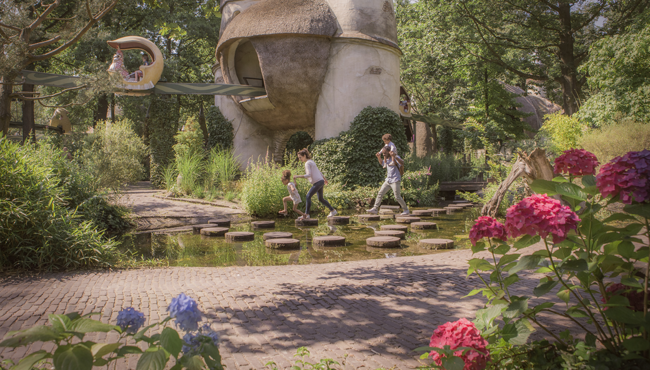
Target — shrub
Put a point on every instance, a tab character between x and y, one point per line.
221	167
163	125
443	167
220	130
116	154
298	141
37	230
189	166
563	131
617	139
350	158
416	190
189	141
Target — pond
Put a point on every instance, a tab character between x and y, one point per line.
191	250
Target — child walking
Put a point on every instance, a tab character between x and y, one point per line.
294	196
317	182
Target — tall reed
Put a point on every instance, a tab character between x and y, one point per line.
190	167
221	168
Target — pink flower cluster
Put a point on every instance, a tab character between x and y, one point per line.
487	227
576	162
461	333
635	298
627	176
540	215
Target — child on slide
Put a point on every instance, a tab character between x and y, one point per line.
294	196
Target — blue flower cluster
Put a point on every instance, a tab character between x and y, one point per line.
186	312
130	320
205	334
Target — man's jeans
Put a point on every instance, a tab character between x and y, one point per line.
396	191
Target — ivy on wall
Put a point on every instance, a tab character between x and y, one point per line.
350	158
220	130
164	115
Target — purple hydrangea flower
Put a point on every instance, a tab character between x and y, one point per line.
130	320
204	335
186	312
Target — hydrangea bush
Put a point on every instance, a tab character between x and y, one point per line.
197	350
589	261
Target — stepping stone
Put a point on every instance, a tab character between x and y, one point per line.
386	212
422	212
394	233
214	231
306	222
263	224
338	220
283	243
394	227
451	210
423	225
277	235
392	208
384	242
406	219
222	222
436	243
239	236
437	211
386	217
328	241
196	229
369	217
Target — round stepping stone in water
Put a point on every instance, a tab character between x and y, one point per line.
423	225
422	212
386	212
394	227
383	242
263	224
394	233
386	217
196	229
221	222
277	235
451	210
437	211
368	218
406	219
338	220
283	243
328	241
392	208
436	243
240	236
214	231
306	222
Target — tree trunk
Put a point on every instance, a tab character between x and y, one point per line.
6	89
28	116
434	138
571	87
533	167
101	114
204	127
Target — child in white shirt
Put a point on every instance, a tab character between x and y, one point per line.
294	196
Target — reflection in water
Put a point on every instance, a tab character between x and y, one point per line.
194	250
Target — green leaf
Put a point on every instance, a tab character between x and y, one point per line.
619	217
100	362
129	350
543	288
140	335
453	363
101	349
626	249
90	326
502	249
516	308
544	187
631	282
37	333
525	263
507	259
511	279
590	340
193	363
561	253
560	179
480	246
564	295
588	180
154	358
624	315
576	312
636	344
59	322
73	357
27	362
641	209
526	241
572	191
474	292
171	341
478	264
517	333
577	265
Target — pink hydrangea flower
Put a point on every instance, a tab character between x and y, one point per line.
635	298
627	176
461	333
540	215
576	162
487	227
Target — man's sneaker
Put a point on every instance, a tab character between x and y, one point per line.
372	211
303	217
405	213
333	213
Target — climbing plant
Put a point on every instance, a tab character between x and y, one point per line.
163	125
220	130
350	157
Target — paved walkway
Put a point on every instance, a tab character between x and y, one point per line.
375	312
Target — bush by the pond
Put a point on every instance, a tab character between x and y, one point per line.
220	130
614	140
41	227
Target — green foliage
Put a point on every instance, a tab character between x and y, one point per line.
416	190
303	364
189	141
163	125
189	166
221	168
563	131
614	140
40	229
220	130
298	141
350	158
116	155
443	167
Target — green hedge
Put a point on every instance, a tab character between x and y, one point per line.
220	130
350	158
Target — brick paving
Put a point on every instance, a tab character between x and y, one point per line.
371	313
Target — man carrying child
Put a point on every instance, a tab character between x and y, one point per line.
393	178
